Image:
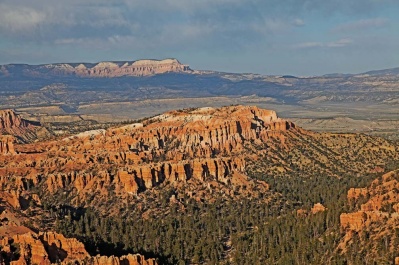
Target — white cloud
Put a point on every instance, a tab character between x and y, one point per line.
334	44
17	19
86	42
307	45
339	43
363	24
298	22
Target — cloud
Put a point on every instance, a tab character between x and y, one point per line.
298	22
363	24
334	44
340	43
212	28
119	14
22	19
307	45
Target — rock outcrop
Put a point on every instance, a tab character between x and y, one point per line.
382	201
10	121
208	148
204	145
377	215
7	145
12	124
52	248
318	207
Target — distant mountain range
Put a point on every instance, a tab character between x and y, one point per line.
169	78
148	87
145	67
102	69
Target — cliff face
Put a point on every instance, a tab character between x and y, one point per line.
9	120
12	124
102	69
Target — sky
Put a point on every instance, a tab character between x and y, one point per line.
297	37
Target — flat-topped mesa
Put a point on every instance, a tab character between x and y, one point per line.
115	69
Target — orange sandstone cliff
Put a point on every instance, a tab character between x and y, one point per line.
204	145
377	217
52	248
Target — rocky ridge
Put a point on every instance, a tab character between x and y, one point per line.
101	69
178	147
208	147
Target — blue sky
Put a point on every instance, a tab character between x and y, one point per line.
299	37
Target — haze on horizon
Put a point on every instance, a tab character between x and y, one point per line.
299	37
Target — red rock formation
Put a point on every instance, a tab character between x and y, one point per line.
355	193
383	196
10	120
52	248
7	145
377	217
61	248
12	124
318	207
204	144
30	247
